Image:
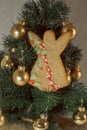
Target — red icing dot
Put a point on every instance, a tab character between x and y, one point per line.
49	78
31	82
39	55
41	68
32	42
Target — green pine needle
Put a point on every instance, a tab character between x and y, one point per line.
44	101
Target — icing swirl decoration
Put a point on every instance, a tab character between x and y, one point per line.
48	70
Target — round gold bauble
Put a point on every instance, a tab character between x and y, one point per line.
37	128
2	119
20	76
18	31
80	116
41	123
69	27
7	62
76	74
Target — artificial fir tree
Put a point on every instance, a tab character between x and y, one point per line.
21	99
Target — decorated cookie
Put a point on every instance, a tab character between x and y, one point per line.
48	72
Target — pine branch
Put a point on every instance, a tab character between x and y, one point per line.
42	15
71	56
44	101
73	94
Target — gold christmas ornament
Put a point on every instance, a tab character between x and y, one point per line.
69	27
7	62
20	76
68	72
18	31
77	74
2	119
41	123
80	116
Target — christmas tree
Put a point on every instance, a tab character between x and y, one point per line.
29	57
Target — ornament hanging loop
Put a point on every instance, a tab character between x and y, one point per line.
81	102
21	59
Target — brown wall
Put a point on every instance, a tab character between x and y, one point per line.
9	11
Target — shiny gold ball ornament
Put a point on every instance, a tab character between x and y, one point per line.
68	73
20	76
2	119
18	30
76	73
41	123
7	62
80	116
69	27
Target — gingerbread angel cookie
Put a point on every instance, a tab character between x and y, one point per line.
48	73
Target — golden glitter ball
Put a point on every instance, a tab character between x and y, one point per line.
2	119
41	123
39	126
20	76
7	62
18	31
77	74
69	27
80	116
